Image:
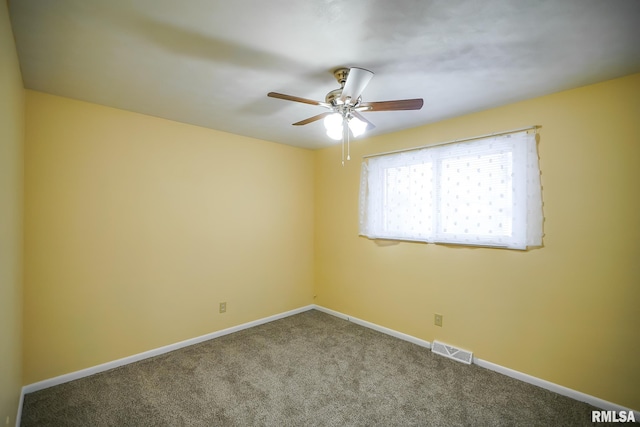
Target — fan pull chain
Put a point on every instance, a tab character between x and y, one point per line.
345	130
343	145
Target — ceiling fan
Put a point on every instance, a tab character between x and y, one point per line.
345	104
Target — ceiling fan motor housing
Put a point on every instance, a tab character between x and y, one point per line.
333	97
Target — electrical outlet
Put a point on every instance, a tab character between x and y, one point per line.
223	307
437	319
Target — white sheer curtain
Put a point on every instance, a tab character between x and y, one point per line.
483	192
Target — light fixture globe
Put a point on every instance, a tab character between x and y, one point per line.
333	121
335	134
333	124
357	126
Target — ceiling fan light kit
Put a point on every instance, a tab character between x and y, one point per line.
334	124
345	105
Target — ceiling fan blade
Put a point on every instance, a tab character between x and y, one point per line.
296	99
357	80
370	126
313	119
400	104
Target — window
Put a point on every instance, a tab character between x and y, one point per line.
484	192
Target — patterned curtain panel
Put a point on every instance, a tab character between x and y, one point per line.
484	192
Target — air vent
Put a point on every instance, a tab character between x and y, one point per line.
454	353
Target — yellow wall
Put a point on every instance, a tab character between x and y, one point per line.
568	312
137	227
11	187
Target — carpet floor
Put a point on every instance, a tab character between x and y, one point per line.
310	369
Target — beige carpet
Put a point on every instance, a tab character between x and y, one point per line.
311	369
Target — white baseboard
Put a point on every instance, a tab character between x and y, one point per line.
556	388
30	388
400	335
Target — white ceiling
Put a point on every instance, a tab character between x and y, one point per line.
211	62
